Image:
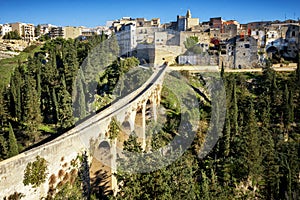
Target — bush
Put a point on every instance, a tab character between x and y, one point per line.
12	35
29	48
35	172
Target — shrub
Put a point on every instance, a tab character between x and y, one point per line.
35	172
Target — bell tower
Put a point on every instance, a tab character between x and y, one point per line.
188	14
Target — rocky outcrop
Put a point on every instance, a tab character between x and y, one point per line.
10	48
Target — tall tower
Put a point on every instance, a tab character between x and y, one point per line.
188	14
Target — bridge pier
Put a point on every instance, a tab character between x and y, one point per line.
140	124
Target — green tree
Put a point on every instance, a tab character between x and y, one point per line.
191	42
298	70
3	108
16	85
65	110
12	143
79	94
114	129
35	172
235	110
12	35
287	108
222	70
37	30
3	147
32	112
103	36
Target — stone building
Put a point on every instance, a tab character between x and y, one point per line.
239	53
142	22
56	32
283	39
186	22
216	23
71	32
26	31
246	53
231	29
126	37
203	37
45	28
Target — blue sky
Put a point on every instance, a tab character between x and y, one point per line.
94	13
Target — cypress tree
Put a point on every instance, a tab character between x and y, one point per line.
55	105
205	188
32	111
80	103
222	70
70	64
16	86
234	110
65	110
12	143
291	106
103	37
286	107
298	71
3	109
3	147
227	136
252	138
38	81
271	169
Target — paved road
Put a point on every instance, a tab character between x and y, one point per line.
216	69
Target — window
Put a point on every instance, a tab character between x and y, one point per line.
293	34
247	46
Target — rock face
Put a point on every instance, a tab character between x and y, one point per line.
13	45
10	48
7	54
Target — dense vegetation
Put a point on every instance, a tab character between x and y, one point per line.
256	158
37	103
12	35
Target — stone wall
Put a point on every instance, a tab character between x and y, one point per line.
199	59
203	37
13	45
168	54
145	53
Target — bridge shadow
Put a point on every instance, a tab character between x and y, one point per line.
201	94
100	180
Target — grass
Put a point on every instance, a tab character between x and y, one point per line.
47	128
8	65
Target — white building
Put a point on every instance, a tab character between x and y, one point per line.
45	28
127	38
4	28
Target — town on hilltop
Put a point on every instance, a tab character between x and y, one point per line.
187	41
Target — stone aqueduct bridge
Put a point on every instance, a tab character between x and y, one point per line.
88	136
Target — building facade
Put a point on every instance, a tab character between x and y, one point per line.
4	29
26	31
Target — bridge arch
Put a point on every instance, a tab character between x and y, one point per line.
104	145
272	49
126	126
